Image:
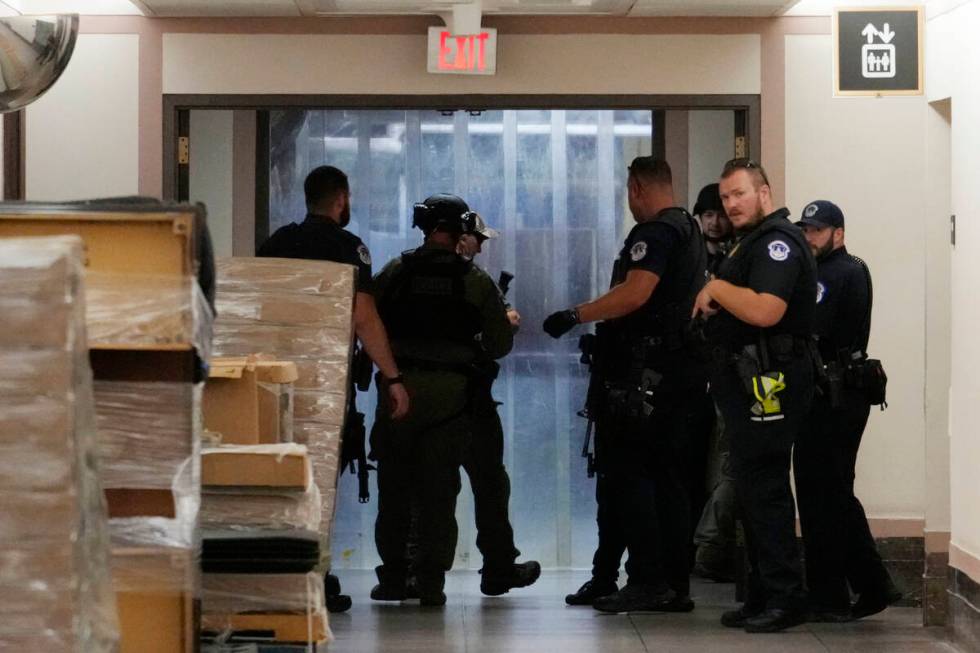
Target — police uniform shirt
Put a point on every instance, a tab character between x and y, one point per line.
842	304
772	263
320	238
649	246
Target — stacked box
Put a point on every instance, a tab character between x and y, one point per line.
55	590
265	497
299	311
250	400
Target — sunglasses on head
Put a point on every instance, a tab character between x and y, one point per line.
745	164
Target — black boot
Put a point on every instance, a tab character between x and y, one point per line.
590	591
391	585
495	583
773	620
638	598
737	618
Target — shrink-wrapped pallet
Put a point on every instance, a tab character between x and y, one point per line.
55	588
299	311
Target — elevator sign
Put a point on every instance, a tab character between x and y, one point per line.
878	51
462	54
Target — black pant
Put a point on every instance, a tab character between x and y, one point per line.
484	464
838	542
760	458
642	491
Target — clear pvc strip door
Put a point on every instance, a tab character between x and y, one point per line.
553	183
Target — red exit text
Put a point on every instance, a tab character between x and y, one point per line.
463	53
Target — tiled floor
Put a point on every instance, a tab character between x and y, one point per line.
536	619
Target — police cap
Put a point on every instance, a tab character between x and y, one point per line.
822	214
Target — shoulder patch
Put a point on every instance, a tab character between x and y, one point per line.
821	291
638	251
364	254
778	250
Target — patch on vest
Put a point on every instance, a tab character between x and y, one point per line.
638	251
821	291
437	286
778	250
364	254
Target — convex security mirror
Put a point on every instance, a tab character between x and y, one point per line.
34	51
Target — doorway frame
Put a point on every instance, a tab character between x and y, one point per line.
176	106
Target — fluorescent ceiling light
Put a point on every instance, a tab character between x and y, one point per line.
84	7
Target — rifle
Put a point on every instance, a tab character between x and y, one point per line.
353	455
503	282
588	344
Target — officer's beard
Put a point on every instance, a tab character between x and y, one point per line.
826	248
345	216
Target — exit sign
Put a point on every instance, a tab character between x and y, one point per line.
462	54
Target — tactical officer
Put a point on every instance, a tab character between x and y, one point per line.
321	236
838	542
714	534
445	317
717	228
484	465
761	319
642	376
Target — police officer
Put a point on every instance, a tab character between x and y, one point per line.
760	311
717	228
644	373
839	546
444	315
322	236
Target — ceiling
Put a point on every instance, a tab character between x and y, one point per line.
311	8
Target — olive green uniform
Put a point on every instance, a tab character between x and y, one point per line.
443	316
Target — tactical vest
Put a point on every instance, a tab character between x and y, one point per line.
426	300
668	311
727	328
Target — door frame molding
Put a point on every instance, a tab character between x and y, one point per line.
175	105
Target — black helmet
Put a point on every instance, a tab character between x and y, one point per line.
443	209
709	199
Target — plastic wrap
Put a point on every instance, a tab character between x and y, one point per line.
147	432
241	275
299	311
264	465
226	598
239	593
55	591
284	396
265	509
148	310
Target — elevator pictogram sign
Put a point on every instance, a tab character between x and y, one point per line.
878	51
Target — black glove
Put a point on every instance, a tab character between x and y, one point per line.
560	323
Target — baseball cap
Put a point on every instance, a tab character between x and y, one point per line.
822	214
480	228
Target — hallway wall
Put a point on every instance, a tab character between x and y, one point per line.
953	66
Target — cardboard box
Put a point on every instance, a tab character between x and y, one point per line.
36	324
139	268
280	627
34	373
127	502
279	466
244	400
155	598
